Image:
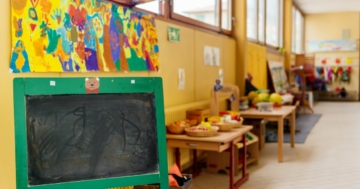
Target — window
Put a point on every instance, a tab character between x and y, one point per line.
226	15
153	7
252	21
214	15
207	8
265	21
209	14
272	22
298	32
261	23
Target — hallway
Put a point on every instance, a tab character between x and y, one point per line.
328	159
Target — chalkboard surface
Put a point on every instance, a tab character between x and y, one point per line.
82	137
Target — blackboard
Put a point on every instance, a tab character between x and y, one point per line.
83	137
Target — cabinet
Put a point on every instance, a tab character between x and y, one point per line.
219	162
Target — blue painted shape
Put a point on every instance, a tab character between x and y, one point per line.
156	48
66	43
15	56
91	61
67	64
114	40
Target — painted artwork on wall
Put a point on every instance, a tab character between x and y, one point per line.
81	36
332	45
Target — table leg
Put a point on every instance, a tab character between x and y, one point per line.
280	139
292	129
245	176
232	165
197	170
178	157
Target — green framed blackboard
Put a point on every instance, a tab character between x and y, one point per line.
93	133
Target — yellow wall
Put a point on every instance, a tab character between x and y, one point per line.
329	26
187	54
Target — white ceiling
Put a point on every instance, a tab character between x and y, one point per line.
325	6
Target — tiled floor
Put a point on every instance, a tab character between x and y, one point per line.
330	157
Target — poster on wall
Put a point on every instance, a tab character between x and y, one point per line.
181	73
332	45
211	56
81	36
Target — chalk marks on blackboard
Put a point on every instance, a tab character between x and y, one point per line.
80	137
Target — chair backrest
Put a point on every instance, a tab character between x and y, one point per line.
228	91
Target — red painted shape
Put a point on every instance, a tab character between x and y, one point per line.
33	26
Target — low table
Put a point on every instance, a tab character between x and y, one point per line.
278	115
219	143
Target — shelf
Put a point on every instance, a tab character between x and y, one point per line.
249	142
248	161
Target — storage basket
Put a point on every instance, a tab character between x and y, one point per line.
212	132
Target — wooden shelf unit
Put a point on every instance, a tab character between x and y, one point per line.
219	162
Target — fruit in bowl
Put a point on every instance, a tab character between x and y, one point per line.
205	129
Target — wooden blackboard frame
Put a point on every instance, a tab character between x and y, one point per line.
65	86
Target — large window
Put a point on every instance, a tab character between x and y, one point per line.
252	19
214	15
261	23
265	21
298	32
156	7
205	11
226	15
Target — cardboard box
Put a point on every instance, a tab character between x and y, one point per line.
198	114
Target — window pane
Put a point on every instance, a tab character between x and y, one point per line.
261	15
252	19
272	22
226	14
281	23
201	10
153	6
299	32
293	48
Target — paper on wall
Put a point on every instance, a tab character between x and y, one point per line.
221	75
181	73
211	56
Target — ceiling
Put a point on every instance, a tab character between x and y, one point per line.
325	6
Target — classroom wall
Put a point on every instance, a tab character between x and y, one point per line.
187	54
330	26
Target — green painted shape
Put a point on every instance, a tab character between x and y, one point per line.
41	86
117	64
136	63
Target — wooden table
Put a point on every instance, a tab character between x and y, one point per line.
219	143
278	114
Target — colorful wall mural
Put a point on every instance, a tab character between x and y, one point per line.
81	36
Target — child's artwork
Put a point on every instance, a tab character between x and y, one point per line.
278	76
81	36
